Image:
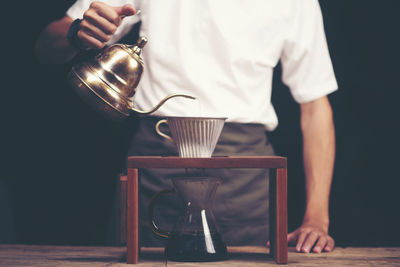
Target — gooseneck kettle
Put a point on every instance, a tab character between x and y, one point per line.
108	81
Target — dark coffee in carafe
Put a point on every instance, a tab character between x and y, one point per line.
195	247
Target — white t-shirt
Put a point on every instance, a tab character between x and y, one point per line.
224	51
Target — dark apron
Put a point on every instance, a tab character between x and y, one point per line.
241	202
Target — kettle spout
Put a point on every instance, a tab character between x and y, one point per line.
161	103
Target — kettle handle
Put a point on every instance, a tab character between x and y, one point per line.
161	103
166	136
150	213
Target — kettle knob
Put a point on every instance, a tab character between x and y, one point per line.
142	41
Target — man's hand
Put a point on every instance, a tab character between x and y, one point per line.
100	22
311	237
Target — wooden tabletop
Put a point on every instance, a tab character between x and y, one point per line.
24	255
212	162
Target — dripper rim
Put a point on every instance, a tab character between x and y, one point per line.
196	118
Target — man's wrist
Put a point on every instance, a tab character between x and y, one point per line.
73	38
320	220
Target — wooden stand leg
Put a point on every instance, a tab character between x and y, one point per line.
122	200
132	240
278	215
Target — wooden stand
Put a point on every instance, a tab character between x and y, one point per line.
278	194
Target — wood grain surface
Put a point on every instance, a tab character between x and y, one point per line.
24	255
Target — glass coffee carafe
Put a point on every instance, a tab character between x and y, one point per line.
195	236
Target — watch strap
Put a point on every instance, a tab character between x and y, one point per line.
72	35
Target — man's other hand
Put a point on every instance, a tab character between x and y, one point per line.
311	237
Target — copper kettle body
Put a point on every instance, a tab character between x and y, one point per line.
108	81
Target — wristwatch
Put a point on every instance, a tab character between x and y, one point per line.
72	35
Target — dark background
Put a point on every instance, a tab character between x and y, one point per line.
60	160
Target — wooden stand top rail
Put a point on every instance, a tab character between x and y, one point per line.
213	162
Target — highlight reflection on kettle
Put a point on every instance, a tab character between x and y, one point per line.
108	81
195	236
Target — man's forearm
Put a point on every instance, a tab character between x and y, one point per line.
319	153
52	45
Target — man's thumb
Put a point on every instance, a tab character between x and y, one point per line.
292	237
125	10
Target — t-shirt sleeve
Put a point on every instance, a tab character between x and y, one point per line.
80	6
306	64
